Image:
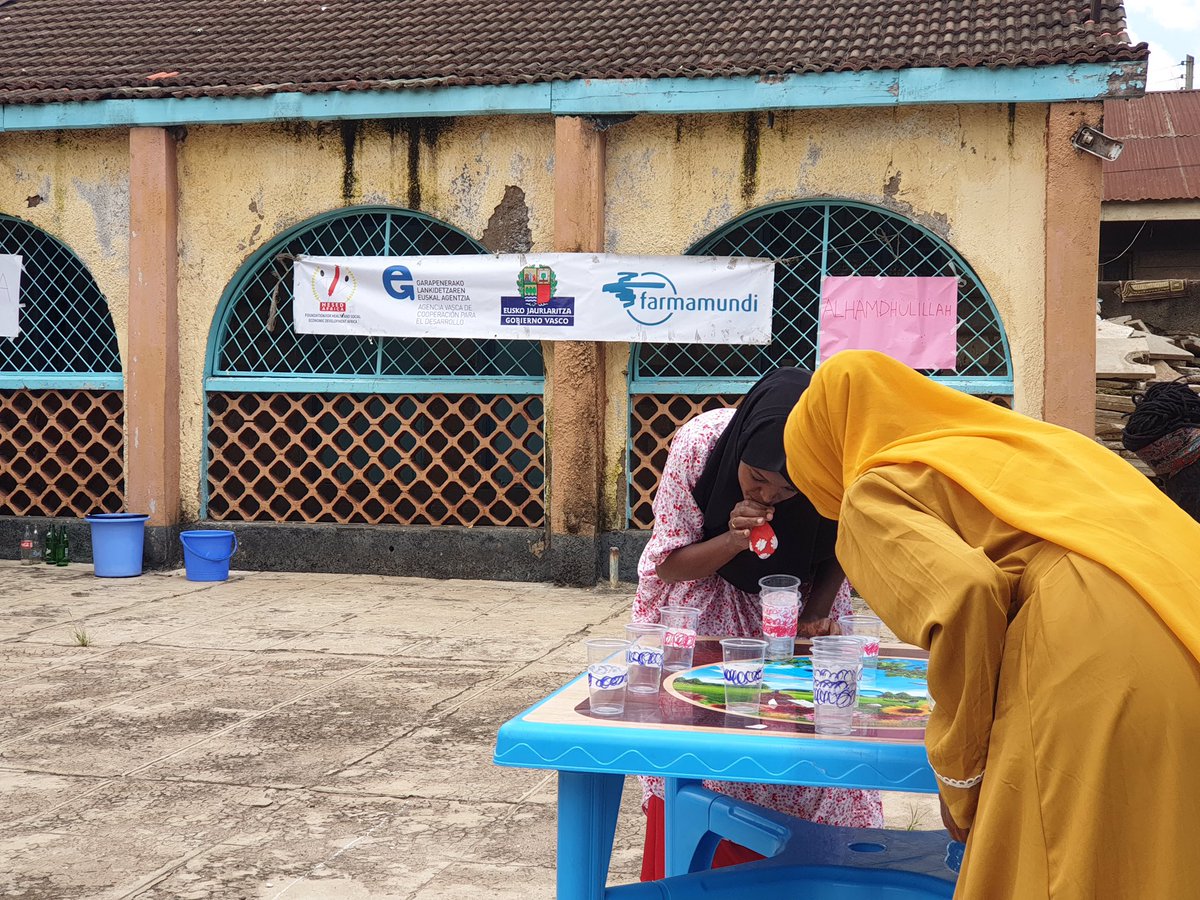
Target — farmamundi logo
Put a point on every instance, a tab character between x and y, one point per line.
333	287
651	298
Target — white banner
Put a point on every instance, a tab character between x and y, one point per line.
10	295
547	296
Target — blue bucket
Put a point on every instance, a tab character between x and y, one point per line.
117	542
206	554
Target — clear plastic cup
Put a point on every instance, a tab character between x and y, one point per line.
780	596
825	643
742	669
645	656
679	640
608	675
835	690
866	629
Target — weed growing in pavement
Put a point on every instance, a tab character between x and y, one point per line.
78	633
916	817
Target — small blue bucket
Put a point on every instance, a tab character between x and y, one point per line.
117	542
206	554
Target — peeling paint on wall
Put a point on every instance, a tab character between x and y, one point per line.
508	228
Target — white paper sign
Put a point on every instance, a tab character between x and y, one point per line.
10	295
548	296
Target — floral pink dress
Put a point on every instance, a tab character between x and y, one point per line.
728	612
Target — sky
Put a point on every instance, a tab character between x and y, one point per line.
1172	29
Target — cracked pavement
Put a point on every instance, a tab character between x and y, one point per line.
297	736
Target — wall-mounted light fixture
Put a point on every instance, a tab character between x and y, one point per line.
1097	143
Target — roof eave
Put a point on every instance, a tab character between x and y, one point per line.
824	90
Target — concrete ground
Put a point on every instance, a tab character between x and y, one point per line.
295	736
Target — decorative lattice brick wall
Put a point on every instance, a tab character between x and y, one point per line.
439	459
61	452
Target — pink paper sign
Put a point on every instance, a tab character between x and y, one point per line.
913	320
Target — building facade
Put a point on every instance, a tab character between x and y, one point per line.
157	370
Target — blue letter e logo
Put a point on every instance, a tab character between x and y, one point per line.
397	281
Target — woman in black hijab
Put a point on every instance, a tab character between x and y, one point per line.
725	475
744	483
1164	431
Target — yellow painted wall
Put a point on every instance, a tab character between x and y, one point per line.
241	186
975	175
75	186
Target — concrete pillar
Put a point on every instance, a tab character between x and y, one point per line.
152	373
1072	250
576	417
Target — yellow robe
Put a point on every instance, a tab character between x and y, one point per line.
1052	680
1058	594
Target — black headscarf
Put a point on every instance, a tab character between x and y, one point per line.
1162	432
755	436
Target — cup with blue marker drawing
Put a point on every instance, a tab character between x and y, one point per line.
742	671
608	675
645	656
835	673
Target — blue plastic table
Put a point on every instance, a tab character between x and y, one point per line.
672	735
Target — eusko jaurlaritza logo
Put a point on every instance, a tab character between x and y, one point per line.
651	298
537	303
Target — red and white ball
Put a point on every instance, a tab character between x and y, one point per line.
763	541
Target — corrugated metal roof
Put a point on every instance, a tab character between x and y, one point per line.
1161	159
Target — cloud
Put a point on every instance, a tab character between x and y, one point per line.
1177	15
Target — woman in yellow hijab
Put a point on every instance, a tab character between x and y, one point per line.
1058	594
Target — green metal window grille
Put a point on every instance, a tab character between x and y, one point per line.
67	336
256	347
815	238
255	354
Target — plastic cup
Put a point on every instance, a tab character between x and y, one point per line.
836	643
608	675
645	656
679	640
835	689
780	596
866	629
742	669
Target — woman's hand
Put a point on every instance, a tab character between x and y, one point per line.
959	834
746	515
812	628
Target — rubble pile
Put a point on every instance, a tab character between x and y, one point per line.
1129	356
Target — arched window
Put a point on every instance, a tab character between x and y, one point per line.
329	428
669	383
61	389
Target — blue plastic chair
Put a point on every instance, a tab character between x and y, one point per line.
820	862
770	879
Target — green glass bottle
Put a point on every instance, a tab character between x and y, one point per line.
64	548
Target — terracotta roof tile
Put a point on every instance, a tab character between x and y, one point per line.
59	50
